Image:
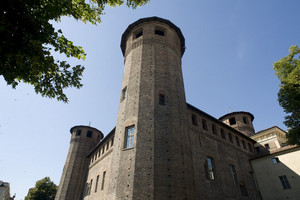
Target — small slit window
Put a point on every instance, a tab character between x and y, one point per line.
245	120
223	134
159	32
123	95
194	120
214	129
204	124
162	99
139	34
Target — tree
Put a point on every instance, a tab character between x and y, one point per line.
288	71
28	37
44	189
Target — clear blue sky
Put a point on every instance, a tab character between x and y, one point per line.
231	46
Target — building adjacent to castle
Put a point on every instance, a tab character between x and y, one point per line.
161	147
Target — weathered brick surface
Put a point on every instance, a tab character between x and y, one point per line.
170	153
75	170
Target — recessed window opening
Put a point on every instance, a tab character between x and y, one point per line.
112	142
244	144
194	120
244	190
214	129
129	137
250	147
223	134
204	124
254	181
237	141
285	182
78	132
275	160
96	186
103	180
123	94
159	32
230	137
210	168
234	175
89	134
90	187
245	120
162	99
232	121
139	34
267	146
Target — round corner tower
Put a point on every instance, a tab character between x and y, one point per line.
151	157
241	121
83	140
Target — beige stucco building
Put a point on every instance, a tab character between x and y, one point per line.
277	171
161	147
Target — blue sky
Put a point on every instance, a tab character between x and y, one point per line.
231	46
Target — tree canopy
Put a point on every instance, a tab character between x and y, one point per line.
28	37
288	71
44	189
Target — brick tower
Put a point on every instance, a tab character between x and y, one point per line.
152	157
72	182
241	121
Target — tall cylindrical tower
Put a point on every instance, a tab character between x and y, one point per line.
83	140
152	157
241	121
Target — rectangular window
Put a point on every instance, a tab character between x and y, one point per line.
78	132
244	190
159	32
107	146
210	168
96	186
214	129
267	146
230	137
90	187
102	150
112	142
250	147
232	121
194	120
245	120
244	144
285	183
139	34
234	175
129	137
254	181
237	140
162	99
204	124
223	134
123	94
103	180
275	160
89	134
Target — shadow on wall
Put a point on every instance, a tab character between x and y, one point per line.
278	173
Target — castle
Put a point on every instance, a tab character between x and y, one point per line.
161	147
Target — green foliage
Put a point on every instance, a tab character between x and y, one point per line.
288	71
44	189
28	37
